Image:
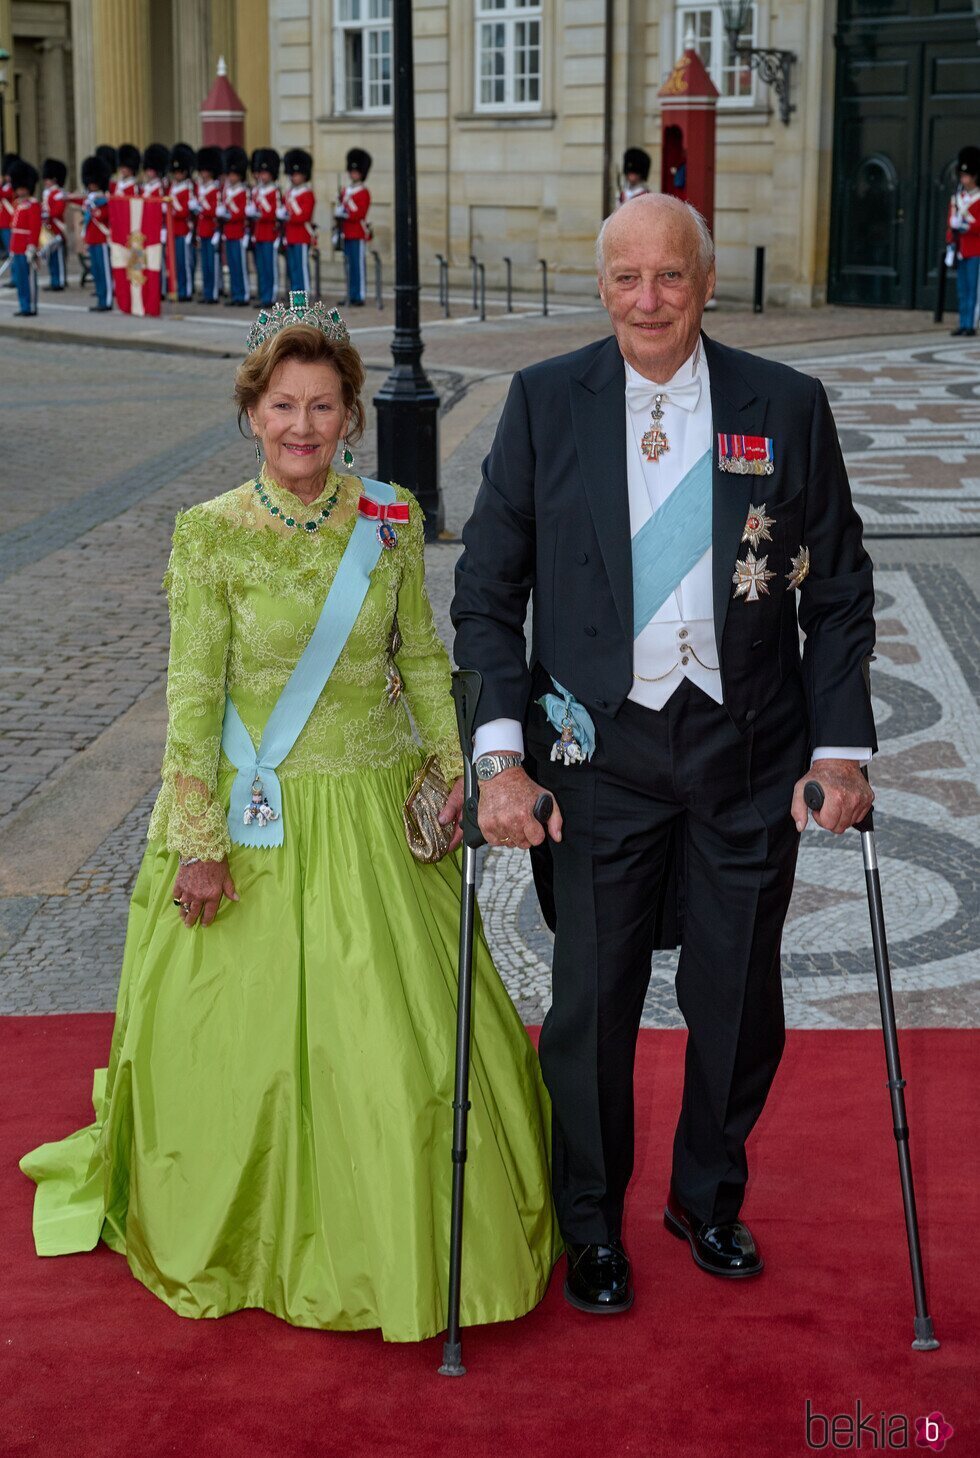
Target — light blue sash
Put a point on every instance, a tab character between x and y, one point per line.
672	542
306	683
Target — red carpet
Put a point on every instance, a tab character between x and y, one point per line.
93	1365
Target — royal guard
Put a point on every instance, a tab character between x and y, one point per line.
297	215
53	203
127	183
6	203
156	161
95	218
25	236
110	157
351	213
210	164
264	211
636	170
182	159
234	208
963	238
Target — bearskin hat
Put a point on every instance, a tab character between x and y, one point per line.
266	158
360	159
95	173
182	158
22	174
55	171
9	158
157	158
210	159
296	160
129	156
109	156
969	161
636	160
236	160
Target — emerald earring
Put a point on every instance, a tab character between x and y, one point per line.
347	456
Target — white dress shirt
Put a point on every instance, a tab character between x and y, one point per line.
679	641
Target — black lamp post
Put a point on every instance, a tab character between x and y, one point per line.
773	65
407	405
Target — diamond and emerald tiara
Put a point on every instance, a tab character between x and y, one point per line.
299	311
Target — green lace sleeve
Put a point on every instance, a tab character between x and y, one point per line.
187	817
423	662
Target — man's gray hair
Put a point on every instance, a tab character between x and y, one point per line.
706	247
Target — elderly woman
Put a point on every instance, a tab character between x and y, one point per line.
274	1126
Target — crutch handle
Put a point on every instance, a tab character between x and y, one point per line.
544	808
814	796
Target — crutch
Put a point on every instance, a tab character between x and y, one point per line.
466	692
925	1337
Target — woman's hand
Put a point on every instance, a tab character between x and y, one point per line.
199	889
452	814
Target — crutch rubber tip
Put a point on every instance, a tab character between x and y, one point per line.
452	1360
925	1337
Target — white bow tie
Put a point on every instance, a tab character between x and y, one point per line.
642	394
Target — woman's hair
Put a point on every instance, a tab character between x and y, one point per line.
302	342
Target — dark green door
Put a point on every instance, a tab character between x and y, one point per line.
907	100
875	165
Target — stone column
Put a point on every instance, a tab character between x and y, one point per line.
251	70
54	89
121	37
192	74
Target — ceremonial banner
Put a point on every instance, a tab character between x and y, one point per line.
136	253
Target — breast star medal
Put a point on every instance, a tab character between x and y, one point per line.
654	444
801	568
757	526
751	577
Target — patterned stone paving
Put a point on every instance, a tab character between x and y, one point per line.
909	424
86	637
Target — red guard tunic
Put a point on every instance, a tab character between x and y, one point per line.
266	202
154	187
964	207
300	204
181	194
6	205
208	200
53	204
235	203
355	201
25	229
96	205
124	187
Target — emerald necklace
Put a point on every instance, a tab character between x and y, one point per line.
279	512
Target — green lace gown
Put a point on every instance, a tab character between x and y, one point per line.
275	1122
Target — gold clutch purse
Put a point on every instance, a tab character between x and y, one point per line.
427	839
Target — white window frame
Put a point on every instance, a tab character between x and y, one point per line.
372	26
510	14
719	48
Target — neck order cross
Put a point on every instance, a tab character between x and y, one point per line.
654	444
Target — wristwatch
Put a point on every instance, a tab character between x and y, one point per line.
489	765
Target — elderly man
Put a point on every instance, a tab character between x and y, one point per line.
676	507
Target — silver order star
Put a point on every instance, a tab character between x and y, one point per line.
801	568
751	577
757	526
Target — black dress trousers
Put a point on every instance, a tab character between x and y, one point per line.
682	773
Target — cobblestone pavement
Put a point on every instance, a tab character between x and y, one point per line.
102	446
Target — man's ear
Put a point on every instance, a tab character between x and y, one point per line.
602	287
709	283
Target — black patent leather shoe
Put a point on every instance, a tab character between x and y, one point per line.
724	1250
598	1278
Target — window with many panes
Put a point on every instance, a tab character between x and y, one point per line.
363	54
508	55
733	78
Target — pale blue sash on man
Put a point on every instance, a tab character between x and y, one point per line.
673	541
304	687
